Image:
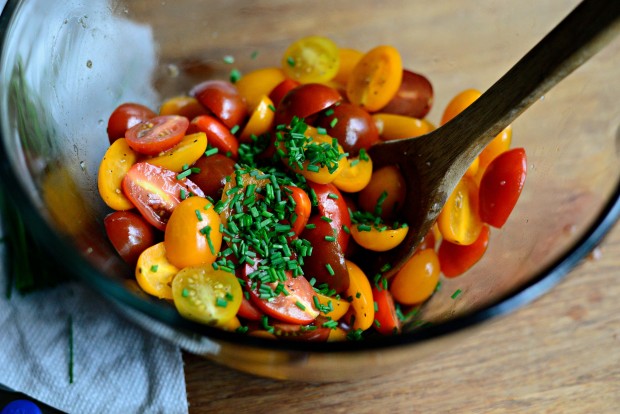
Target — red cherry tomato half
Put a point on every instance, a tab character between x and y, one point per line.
213	172
414	96
304	101
333	206
303	208
248	311
218	135
296	307
501	186
129	233
281	90
301	333
156	191
326	263
157	134
456	259
386	320
126	116
223	100
352	126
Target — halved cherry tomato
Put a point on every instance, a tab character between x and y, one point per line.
293	332
260	121
414	97
391	126
311	59
361	314
156	191
456	259
296	307
193	236
326	263
337	307
337	335
499	144
154	273
355	175
218	135
379	240
303	207
501	186
281	89
129	233
249	311
253	86
348	60
376	78
212	175
157	134
332	205
117	160
186	106
352	126
386	180
223	100
417	279
124	117
461	101
186	152
206	295
459	221
304	101
386	321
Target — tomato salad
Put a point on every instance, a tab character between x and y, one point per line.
245	201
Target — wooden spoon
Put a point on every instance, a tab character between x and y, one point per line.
433	164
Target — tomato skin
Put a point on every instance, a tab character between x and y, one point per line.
281	89
501	186
304	101
186	152
392	126
348	60
311	59
248	311
115	164
253	86
157	134
390	180
359	293
455	259
260	121
155	191
130	234
303	207
332	205
354	127
417	279
186	106
379	241
457	104
354	177
386	320
213	172
223	100
414	97
154	273
325	252
459	220
218	135
126	116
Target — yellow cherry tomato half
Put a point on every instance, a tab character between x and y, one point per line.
254	85
208	296
375	79
186	106
117	160
192	236
378	240
499	144
348	60
459	221
312	59
260	121
359	293
337	307
337	335
461	101
183	154
417	279
386	180
154	273
392	126
473	168
355	175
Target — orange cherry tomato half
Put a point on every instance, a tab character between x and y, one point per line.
499	144
348	60
501	186
156	191
417	279
124	117
456	259
389	180
218	135
379	240
223	100
303	208
461	101
459	221
355	175
253	86
392	126
359	293
375	79
186	106
117	160
386	320
157	134
260	121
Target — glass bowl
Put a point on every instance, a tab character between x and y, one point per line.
65	66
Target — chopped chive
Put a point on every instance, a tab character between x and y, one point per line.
329	112
332	196
326	219
235	75
221	302
198	215
363	227
273	108
229	59
329	269
184	174
333	122
330	238
456	293
70	349
234	129
211	151
254	54
290	61
346	229
300	305
154	268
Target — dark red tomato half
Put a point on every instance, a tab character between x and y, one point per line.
281	90
413	98
223	100
213	172
248	311
352	126
285	308
124	117
501	186
130	234
327	263
303	208
304	101
386	320
157	134
156	191
218	134
301	333
456	259
332	204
